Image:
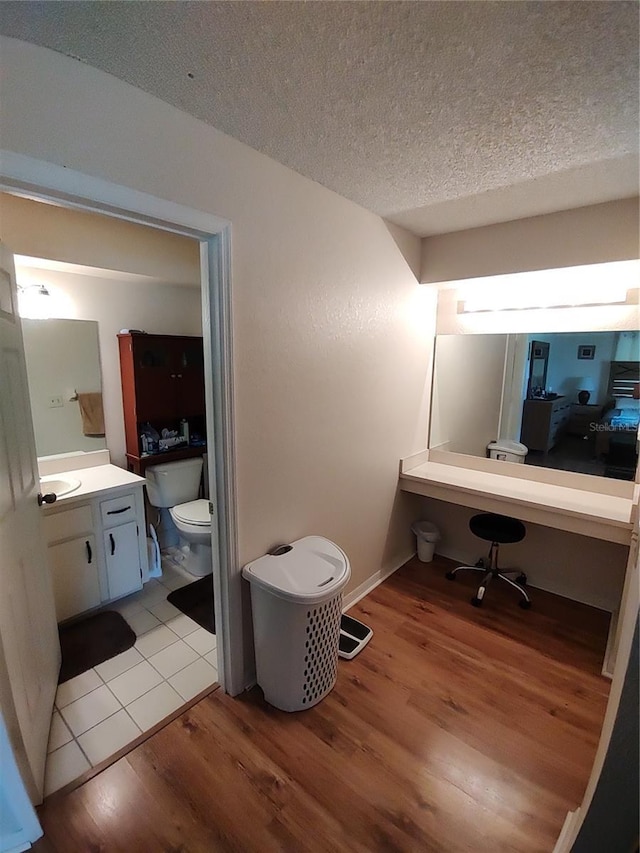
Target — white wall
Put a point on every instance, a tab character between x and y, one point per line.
587	235
627	346
62	359
116	305
90	239
577	567
331	332
467	392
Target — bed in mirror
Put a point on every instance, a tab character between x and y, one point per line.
65	385
570	398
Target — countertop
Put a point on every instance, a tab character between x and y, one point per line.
99	479
589	513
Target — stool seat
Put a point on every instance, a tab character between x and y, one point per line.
497	528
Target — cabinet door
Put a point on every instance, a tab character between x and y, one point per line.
155	378
123	559
75	576
190	374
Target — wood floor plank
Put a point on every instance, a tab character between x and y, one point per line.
457	730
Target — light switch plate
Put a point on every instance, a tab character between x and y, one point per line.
55	402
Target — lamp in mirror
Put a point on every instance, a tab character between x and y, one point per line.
586	386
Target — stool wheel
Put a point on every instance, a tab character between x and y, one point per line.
450	576
477	602
522	579
524	604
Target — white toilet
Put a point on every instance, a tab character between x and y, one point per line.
173	487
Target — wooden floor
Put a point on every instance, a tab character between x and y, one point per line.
457	729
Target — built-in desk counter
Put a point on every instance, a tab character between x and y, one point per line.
588	513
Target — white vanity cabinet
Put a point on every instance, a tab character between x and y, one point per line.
97	548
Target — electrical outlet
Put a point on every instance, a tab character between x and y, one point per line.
55	402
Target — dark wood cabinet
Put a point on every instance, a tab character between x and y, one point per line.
583	420
162	383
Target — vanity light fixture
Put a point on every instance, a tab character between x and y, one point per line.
34	289
568	287
34	301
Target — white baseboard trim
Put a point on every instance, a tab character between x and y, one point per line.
360	591
567	833
371	583
598	604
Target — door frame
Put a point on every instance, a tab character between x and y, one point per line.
44	181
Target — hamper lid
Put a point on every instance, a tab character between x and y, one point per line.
507	446
306	571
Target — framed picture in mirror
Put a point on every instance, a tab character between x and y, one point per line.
586	351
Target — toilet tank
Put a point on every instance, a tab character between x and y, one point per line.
173	483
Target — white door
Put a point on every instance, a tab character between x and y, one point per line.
29	645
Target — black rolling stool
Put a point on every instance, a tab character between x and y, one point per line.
499	530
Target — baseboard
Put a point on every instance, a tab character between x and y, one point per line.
359	592
599	605
371	583
566	837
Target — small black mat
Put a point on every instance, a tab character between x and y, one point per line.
196	601
91	641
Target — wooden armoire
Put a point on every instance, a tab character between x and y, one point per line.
162	384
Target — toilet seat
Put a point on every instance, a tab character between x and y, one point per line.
195	513
193	522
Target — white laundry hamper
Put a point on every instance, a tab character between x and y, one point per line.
296	599
507	451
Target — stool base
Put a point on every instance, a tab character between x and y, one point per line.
492	571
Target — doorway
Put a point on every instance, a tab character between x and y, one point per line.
43	182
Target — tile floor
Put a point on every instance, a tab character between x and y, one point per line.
101	711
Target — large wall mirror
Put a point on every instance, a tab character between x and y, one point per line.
571	399
65	385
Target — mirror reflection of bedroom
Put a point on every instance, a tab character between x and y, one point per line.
581	403
563	400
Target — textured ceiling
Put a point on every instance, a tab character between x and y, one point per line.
436	115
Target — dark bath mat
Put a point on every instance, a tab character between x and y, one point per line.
91	641
196	601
